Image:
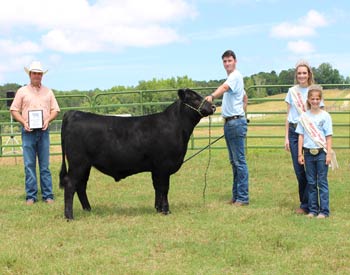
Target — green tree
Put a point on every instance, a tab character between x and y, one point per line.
286	77
258	80
325	74
249	82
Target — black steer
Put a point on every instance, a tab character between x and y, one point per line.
123	146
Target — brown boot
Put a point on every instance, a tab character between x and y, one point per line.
49	201
300	211
239	204
29	202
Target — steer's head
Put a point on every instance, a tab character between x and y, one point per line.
196	102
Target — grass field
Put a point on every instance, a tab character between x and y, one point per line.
123	234
203	235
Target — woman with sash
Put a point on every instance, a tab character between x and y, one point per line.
296	99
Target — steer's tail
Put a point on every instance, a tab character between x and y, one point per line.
63	172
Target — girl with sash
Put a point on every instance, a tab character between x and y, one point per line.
295	99
315	141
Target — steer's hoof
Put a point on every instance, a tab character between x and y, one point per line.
68	217
162	211
166	212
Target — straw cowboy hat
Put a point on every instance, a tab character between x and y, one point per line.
35	66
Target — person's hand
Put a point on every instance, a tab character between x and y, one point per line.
209	98
286	145
328	158
26	127
301	159
46	124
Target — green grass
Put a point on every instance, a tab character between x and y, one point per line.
203	235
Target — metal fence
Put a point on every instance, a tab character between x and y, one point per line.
266	129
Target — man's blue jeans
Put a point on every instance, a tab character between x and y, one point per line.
316	174
235	133
298	169
37	144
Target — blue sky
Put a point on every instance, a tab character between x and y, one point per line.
105	43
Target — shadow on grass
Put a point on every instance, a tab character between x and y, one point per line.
108	210
115	210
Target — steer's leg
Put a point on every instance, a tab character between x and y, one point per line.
158	197
161	183
81	191
69	191
164	189
77	177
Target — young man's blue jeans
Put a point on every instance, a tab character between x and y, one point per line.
235	133
37	144
298	169
316	174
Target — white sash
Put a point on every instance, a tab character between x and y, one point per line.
298	100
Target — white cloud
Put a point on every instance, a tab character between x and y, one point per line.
287	30
304	27
70	41
29	29
9	47
314	19
300	47
12	64
151	35
76	26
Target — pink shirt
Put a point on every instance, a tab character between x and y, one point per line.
31	98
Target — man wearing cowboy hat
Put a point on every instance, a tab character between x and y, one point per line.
35	106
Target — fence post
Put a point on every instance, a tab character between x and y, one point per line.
141	101
0	140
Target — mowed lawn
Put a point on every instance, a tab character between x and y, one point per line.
123	234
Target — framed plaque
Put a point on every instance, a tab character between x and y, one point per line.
35	119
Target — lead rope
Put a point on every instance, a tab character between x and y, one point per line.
209	160
205	148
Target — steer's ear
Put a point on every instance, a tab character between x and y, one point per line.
182	94
186	94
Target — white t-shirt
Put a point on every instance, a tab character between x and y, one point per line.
232	101
322	121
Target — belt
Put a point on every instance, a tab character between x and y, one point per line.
232	117
294	125
313	151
